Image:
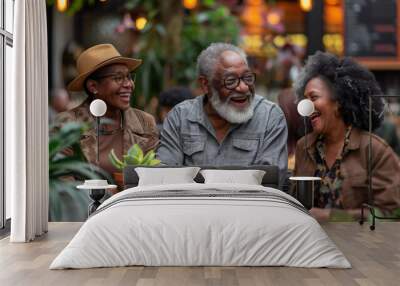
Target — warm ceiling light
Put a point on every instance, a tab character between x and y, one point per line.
62	5
273	18
140	23
103	0
255	2
189	4
332	2
279	41
306	5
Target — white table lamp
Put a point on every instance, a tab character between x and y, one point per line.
98	108
97	188
305	107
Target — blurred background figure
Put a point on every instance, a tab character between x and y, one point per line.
58	102
388	132
396	121
295	123
289	61
281	71
169	98
296	130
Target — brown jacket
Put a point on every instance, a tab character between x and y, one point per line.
140	128
385	170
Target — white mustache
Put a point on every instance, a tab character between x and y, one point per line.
229	112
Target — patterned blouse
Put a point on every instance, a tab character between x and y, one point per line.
328	195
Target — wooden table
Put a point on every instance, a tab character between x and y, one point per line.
374	255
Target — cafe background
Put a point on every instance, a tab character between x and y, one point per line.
168	35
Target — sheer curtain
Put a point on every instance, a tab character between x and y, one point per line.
27	124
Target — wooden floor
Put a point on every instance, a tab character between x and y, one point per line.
375	257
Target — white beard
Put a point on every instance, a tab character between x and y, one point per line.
229	112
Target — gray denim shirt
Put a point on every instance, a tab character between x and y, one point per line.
188	138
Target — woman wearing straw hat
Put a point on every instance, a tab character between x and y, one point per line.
105	74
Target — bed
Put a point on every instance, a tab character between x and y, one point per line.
201	224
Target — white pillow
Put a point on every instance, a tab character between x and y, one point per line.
166	176
248	177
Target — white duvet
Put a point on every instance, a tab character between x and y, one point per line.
207	230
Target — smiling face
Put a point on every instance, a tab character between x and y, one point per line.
230	67
228	91
113	85
326	115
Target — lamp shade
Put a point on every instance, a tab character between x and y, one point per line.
98	107
305	107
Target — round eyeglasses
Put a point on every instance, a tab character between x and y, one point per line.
119	77
231	82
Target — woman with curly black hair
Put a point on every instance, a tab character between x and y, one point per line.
337	148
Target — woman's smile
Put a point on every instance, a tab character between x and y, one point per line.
125	97
325	117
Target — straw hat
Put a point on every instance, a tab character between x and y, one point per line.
96	57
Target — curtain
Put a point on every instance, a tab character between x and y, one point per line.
27	124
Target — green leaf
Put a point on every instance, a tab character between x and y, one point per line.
75	169
115	161
208	3
148	158
131	160
66	202
135	153
154	162
67	136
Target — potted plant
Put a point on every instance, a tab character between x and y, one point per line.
66	172
134	156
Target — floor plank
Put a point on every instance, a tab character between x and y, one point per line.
374	255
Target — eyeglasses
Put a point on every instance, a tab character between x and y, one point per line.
231	82
119	78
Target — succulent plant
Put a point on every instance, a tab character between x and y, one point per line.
134	156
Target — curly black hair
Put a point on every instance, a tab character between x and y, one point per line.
351	84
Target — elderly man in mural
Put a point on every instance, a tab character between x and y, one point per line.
229	124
